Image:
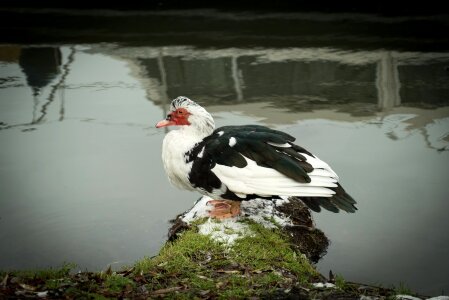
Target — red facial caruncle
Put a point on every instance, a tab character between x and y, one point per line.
175	118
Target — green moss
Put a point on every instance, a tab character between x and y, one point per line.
183	255
75	293
273	221
117	283
193	266
270	279
54	284
236	287
254	264
267	249
45	274
229	231
340	282
94	296
403	289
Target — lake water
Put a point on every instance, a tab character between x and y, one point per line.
82	181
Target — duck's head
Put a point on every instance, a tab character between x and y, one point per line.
187	113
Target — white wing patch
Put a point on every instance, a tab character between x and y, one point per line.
232	141
286	145
243	196
200	155
254	179
321	168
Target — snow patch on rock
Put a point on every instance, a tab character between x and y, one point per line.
324	285
228	230
224	231
407	297
263	212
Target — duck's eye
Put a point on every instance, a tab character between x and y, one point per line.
180	112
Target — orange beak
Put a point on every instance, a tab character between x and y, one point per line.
165	123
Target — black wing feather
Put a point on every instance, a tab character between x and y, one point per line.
322	201
254	128
341	200
255	142
311	203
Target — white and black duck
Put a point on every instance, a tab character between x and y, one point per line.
239	163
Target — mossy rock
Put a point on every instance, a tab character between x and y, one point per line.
266	253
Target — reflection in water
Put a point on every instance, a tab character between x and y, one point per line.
90	189
356	85
387	82
55	87
41	66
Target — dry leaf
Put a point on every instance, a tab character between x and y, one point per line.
27	287
166	291
5	280
229	271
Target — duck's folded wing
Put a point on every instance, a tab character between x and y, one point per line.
255	160
267	181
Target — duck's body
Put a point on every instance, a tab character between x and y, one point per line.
237	163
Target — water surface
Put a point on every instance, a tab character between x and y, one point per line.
80	169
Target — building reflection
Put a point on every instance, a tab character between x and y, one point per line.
312	83
276	86
358	83
317	75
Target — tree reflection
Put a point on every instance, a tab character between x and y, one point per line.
41	66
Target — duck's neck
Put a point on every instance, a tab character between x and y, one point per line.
190	135
174	148
201	124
